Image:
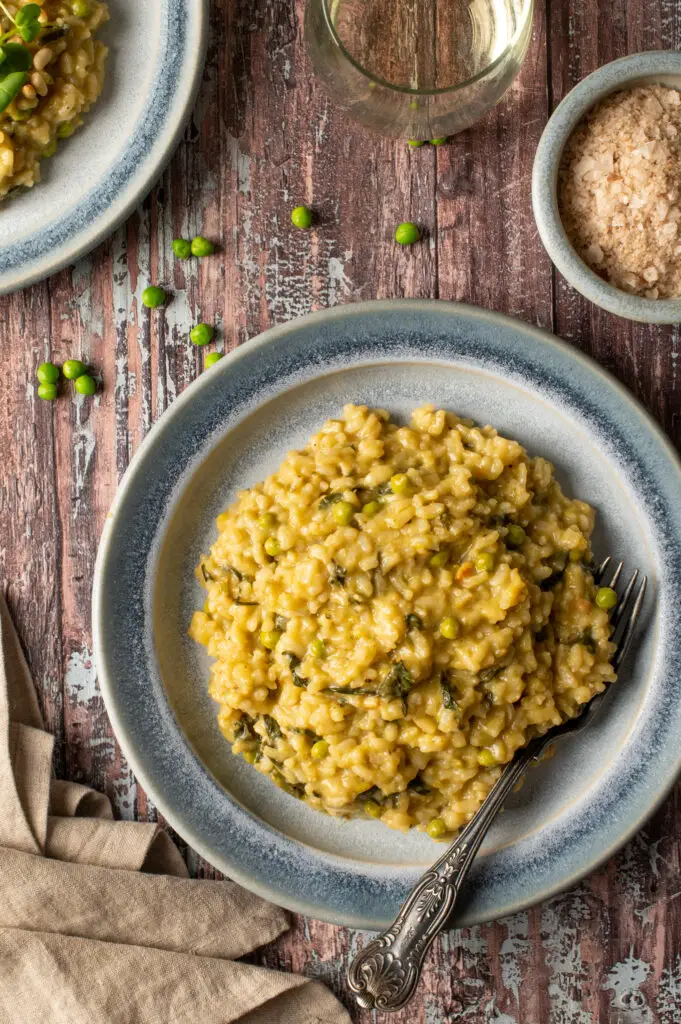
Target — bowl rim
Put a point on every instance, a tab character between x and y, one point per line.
560	126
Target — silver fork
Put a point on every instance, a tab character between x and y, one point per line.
385	973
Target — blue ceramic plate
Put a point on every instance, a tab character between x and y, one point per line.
231	428
156	51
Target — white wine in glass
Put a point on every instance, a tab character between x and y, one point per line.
417	69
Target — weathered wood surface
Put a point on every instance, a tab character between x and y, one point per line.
263	138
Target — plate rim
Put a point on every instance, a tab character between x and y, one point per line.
269	336
82	240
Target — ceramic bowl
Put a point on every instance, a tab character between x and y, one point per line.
233	427
660	66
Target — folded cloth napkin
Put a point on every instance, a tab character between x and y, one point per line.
99	923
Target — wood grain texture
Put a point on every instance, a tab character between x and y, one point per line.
262	139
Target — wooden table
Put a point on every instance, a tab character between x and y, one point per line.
262	139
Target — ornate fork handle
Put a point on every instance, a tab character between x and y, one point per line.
385	973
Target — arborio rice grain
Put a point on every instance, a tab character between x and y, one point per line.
620	190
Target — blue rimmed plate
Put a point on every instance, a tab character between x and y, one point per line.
156	52
231	428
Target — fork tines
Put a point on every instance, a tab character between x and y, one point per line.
626	614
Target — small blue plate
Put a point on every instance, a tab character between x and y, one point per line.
97	178
231	428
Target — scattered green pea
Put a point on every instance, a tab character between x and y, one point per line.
319	750
73	368
484	562
269	638
318	648
399	484
202	334
267	521
436	828
66	130
85	385
153	297
211	359
343	512
440	141
48	392
515	535
301	217
486	758
438	560
200	246
449	628
81	8
372	809
371	509
47	373
606	598
414	105
415	143
182	248
272	547
407	233
50	149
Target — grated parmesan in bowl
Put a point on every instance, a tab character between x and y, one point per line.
620	190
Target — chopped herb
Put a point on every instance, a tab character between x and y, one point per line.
414	622
330	499
307	732
206	575
273	730
241	576
448	700
280	623
353	691
337	575
243	729
299	680
586	640
374	793
246	604
489	673
418	786
398	681
293	659
550	582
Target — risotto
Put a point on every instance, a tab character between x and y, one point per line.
396	611
64	80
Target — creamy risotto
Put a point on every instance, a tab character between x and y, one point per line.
65	78
396	611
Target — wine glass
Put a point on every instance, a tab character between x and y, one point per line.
417	69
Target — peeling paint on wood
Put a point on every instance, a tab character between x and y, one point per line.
262	139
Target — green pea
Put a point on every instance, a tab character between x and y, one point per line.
436	828
85	385
182	248
414	105
301	217
47	373
606	598
484	562
439	141
200	246
515	535
399	484
73	368
211	359
272	547
81	8
202	334
66	130
439	559
319	750
371	509
342	512
407	233
486	758
50	149
371	809
318	648
415	143
153	297
48	392
449	628
266	521
269	638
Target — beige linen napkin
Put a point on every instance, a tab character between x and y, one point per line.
99	923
